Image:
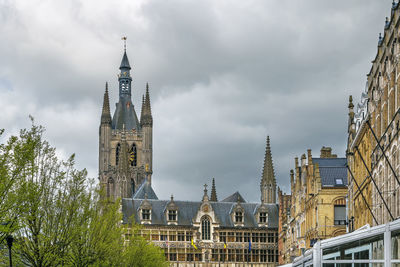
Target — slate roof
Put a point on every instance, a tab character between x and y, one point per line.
125	62
235	197
125	115
187	210
331	169
145	188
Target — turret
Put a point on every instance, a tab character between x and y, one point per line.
268	182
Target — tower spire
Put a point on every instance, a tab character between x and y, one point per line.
146	119
105	113
268	182
213	192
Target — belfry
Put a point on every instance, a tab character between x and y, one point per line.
125	143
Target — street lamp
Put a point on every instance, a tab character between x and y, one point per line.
10	241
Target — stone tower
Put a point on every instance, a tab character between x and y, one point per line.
125	144
268	182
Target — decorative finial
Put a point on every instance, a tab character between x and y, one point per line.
124	39
172	197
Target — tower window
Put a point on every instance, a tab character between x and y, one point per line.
238	216
263	217
133	155
172	215
117	151
145	214
205	228
133	187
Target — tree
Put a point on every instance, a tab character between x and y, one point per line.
57	216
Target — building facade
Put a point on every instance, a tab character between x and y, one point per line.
373	135
317	204
125	144
201	232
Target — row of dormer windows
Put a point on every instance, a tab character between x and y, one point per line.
173	216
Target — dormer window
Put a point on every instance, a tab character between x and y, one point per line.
145	214
238	216
172	215
263	217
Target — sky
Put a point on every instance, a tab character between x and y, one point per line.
222	74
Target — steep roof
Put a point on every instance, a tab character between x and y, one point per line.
187	211
331	169
125	115
145	188
125	62
235	197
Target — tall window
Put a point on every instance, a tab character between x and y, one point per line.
133	155
238	216
205	228
340	215
117	151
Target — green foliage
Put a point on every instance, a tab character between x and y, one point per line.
57	216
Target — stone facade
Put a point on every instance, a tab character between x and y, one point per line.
210	232
125	144
317	204
373	137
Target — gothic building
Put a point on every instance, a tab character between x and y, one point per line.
227	231
125	143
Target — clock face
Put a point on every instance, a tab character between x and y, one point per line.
125	73
205	208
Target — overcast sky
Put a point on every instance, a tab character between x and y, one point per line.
223	75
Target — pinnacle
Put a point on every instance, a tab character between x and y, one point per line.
268	174
213	192
105	114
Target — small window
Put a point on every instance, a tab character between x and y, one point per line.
340	215
145	214
263	217
172	215
339	181
238	216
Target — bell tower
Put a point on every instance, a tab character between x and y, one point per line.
125	144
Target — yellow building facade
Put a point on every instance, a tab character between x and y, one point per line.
373	136
318	202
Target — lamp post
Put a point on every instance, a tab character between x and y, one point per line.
10	241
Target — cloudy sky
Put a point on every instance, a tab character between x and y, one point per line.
223	75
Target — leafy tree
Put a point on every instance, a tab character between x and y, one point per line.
57	216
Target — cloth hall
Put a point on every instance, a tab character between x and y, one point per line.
205	232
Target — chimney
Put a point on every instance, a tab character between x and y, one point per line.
326	152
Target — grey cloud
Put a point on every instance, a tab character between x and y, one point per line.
222	74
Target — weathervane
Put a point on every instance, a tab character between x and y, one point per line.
124	38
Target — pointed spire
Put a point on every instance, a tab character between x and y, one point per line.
268	182
146	117
105	113
213	192
142	110
125	62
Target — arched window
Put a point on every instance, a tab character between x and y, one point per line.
205	228
110	187
133	155
117	151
